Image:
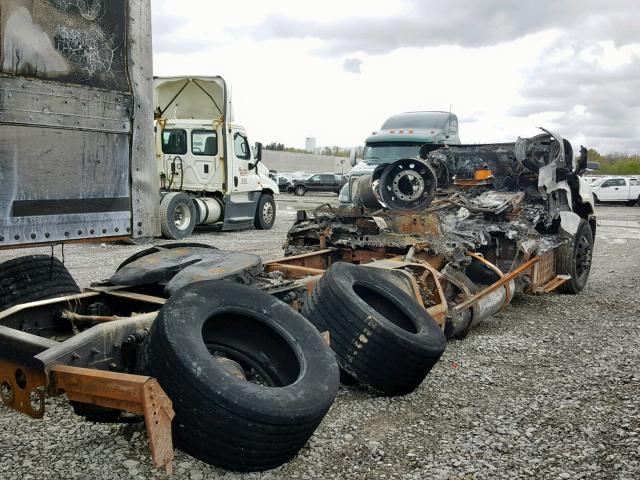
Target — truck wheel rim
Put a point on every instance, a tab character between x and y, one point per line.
267	213
300	191
182	217
583	256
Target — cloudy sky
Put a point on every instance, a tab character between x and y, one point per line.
336	69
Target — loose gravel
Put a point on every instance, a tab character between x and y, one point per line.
547	389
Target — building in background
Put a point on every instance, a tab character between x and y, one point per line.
311	144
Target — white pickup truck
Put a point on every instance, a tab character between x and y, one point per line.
617	189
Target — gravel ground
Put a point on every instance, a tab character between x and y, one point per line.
548	389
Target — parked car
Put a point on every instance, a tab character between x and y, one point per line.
283	182
320	182
617	189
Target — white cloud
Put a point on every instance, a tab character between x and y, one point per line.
506	75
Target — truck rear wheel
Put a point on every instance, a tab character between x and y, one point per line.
34	278
245	402
265	213
574	259
177	216
380	334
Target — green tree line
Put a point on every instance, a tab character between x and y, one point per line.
615	163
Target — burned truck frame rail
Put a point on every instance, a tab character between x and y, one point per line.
90	366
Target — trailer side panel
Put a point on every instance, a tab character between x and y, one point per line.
76	121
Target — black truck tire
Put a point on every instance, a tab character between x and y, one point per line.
574	259
232	422
177	216
381	336
300	191
157	248
33	278
265	213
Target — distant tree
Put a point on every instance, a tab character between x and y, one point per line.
594	156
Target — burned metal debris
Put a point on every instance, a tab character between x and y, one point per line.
492	195
491	219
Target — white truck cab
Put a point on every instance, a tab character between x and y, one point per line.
617	189
208	171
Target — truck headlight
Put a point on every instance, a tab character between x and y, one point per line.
345	194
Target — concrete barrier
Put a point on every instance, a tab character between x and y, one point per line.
304	162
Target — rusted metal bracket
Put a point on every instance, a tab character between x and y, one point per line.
293	271
132	393
553	284
22	389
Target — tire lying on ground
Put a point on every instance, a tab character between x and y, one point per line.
33	278
381	336
259	419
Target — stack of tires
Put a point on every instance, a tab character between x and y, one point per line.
381	336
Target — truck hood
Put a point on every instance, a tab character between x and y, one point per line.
191	97
362	168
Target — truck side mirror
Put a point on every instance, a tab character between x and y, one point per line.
583	163
258	152
352	158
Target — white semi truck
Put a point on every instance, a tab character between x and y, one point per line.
208	172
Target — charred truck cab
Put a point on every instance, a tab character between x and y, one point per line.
402	136
208	172
473	224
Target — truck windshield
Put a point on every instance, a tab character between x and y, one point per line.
379	153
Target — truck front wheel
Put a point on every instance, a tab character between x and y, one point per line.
266	212
574	259
177	216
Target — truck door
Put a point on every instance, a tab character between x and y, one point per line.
314	184
612	190
634	189
245	175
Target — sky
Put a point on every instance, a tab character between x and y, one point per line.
336	69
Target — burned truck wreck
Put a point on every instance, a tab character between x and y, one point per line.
473	224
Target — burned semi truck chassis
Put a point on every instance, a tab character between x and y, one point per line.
384	286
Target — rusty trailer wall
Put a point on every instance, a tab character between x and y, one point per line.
76	146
